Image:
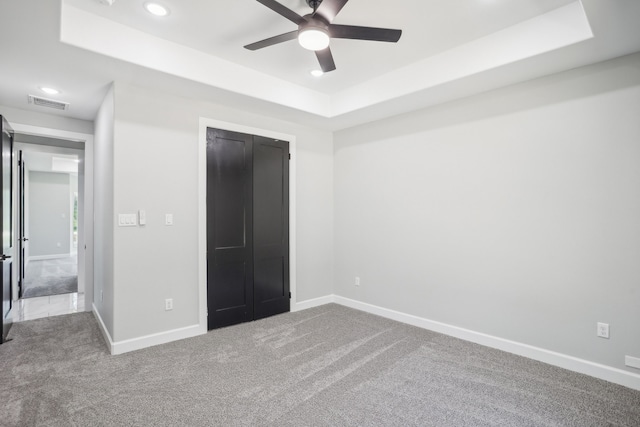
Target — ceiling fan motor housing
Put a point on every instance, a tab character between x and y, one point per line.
314	22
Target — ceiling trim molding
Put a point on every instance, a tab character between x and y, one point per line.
100	35
553	30
444	76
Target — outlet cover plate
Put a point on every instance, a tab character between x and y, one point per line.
603	330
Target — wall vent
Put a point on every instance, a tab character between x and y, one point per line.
50	103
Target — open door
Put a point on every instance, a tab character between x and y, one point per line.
22	239
6	255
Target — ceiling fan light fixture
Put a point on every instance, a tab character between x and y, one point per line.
313	38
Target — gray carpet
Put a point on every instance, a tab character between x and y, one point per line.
327	366
51	277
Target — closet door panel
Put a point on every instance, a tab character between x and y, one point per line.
229	228
271	226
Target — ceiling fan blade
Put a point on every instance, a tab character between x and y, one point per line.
328	9
272	40
284	11
364	33
325	58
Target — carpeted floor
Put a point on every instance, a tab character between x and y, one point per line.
51	277
326	366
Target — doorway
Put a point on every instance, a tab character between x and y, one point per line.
51	238
48	222
247	227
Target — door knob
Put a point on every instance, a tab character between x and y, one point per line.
4	257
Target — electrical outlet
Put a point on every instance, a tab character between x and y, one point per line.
603	330
357	281
168	304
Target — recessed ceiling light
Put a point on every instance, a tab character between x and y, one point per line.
316	73
156	9
49	90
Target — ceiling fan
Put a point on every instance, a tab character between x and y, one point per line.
315	30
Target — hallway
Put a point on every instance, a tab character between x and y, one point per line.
54	305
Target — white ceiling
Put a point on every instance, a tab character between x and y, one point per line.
449	49
222	28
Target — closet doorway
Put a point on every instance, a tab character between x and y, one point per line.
247	227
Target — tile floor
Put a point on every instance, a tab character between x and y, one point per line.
53	305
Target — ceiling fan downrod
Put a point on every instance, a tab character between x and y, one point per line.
313	4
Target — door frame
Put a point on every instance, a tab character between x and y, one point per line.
205	123
20	192
85	265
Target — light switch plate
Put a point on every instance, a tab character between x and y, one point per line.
127	220
142	217
168	219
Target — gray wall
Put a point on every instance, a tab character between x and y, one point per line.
103	211
514	213
49	214
155	166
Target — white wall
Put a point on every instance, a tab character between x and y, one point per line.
514	213
156	169
49	214
103	195
43	120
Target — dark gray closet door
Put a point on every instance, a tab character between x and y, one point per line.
247	227
270	227
229	228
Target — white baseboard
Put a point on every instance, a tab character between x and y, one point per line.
45	257
120	347
103	328
310	303
125	346
607	373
